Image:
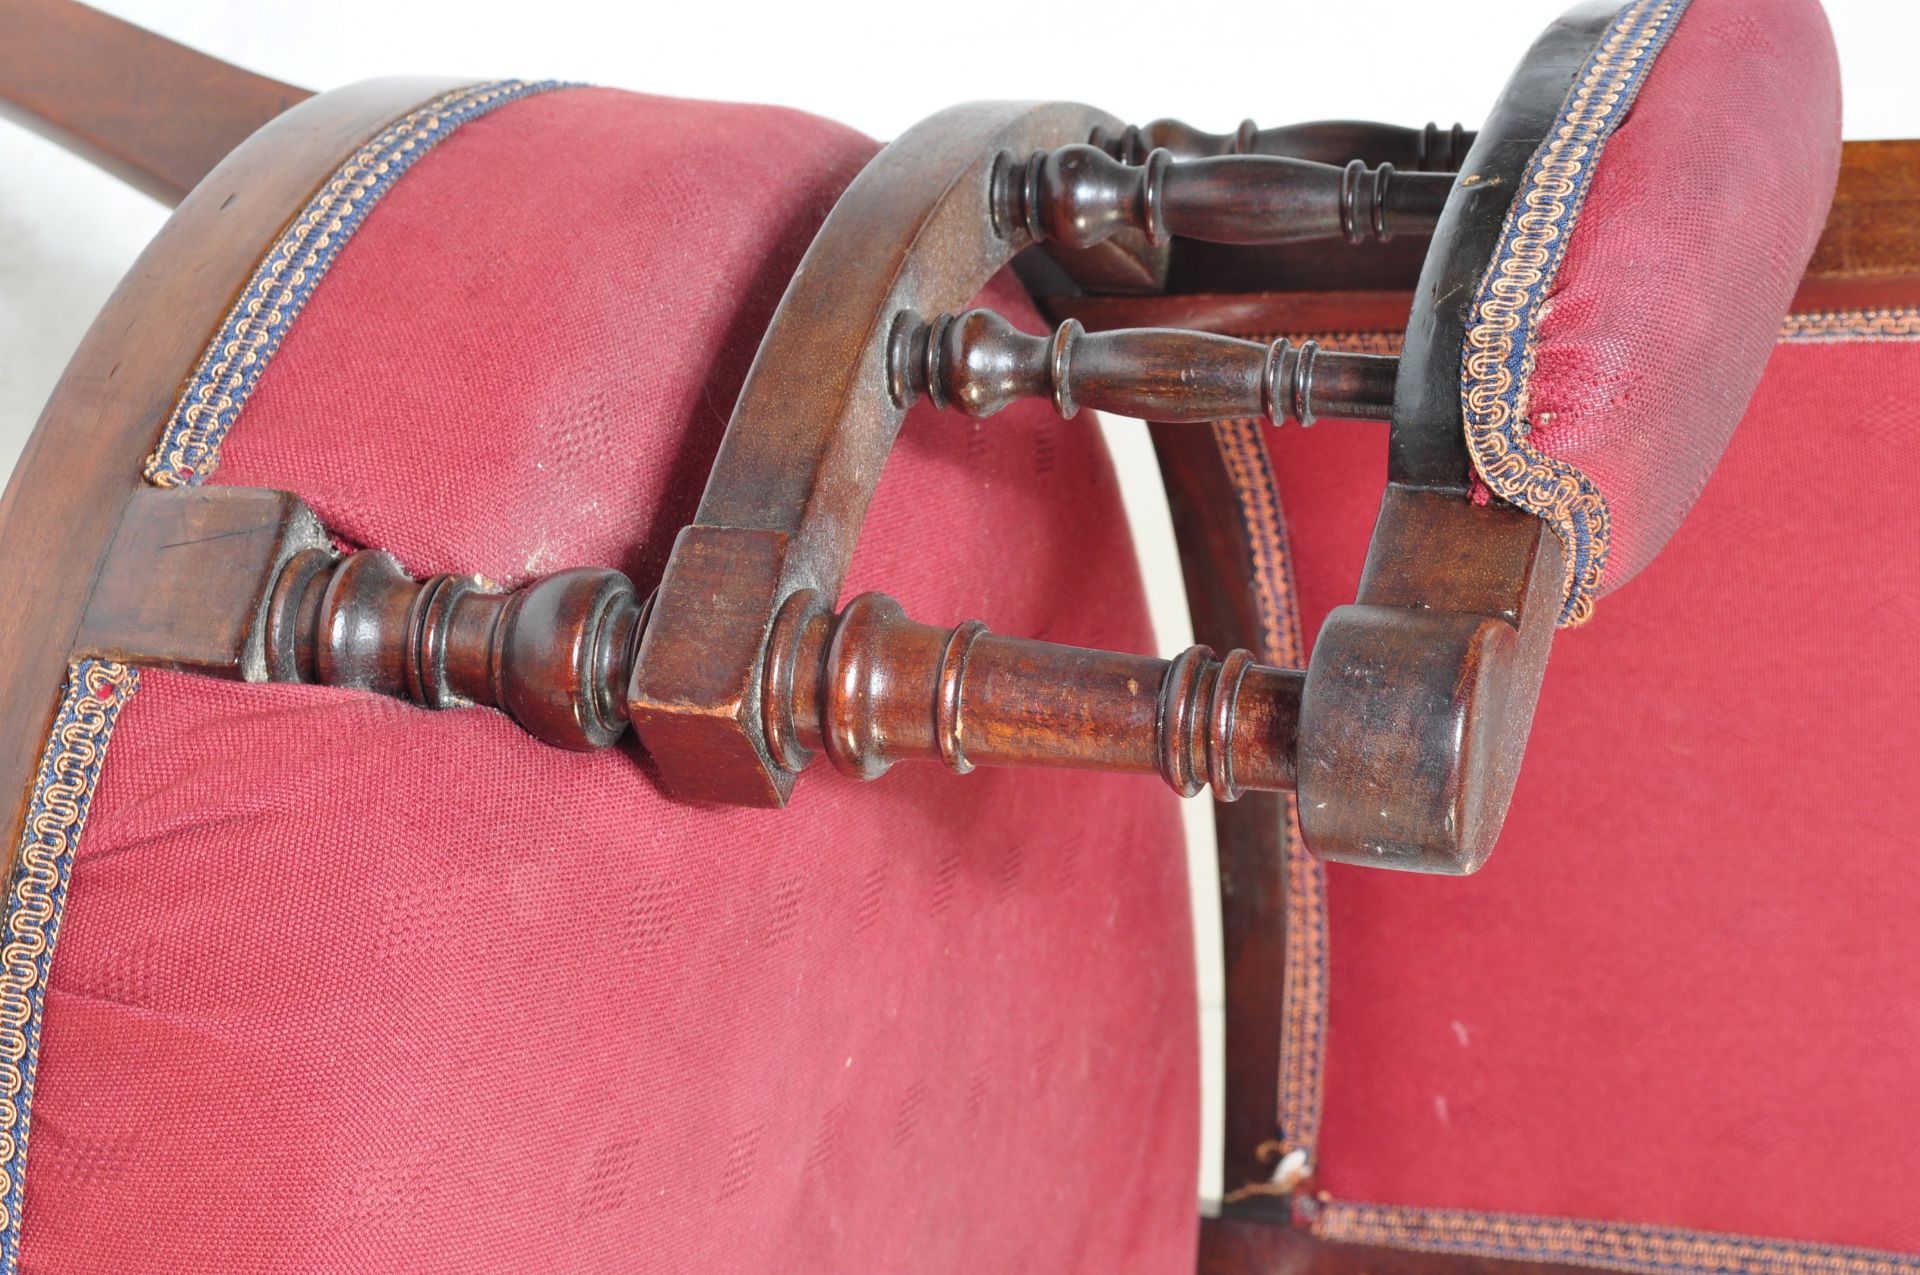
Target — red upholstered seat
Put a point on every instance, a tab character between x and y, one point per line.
347	986
1672	1026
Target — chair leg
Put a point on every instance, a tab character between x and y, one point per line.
155	114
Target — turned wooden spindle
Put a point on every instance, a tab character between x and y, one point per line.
1428	150
979	363
554	655
1079	196
870	687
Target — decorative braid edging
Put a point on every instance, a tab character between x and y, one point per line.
96	689
1305	988
1832	327
69	768
1503	325
190	445
1613	1246
1304	982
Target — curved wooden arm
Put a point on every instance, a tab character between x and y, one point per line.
156	114
810	432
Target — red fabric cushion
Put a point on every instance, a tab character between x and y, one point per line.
347	986
1704	208
1682	991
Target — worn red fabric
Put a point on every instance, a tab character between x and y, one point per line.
1704	209
1683	989
348	986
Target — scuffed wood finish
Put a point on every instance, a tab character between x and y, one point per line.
1420	695
1241	314
182	586
82	463
1433	671
934	216
155	114
1403	734
241	584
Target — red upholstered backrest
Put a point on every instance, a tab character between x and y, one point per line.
1682	993
1649	256
1671	1026
348	986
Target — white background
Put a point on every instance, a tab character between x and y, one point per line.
67	233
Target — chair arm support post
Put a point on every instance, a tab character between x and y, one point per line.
1430	150
554	655
870	687
1079	196
980	363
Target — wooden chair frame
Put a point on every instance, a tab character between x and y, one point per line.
1454	595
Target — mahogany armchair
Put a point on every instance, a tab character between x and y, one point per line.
421	395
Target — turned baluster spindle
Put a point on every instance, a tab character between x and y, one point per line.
1080	196
555	655
980	363
1431	149
870	687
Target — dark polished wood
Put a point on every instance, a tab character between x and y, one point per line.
1240	1245
1868	258
870	688
151	604
156	114
1080	196
1484	580
1240	314
554	655
1420	694
1403	734
810	433
1431	149
1869	254
867	687
1218	564
980	363
81	466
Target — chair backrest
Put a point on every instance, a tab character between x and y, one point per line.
344	923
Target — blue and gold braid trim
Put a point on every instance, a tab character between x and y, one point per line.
1503	325
1610	1246
1303	993
96	690
287	276
1836	327
62	790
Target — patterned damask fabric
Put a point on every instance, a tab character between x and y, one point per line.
1671	1026
343	985
1651	250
